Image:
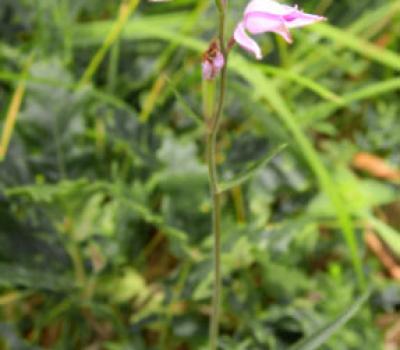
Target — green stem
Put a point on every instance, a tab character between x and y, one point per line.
216	229
213	178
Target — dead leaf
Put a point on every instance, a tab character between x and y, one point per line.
382	253
375	166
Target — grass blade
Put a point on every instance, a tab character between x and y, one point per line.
346	39
324	110
324	333
312	85
152	98
13	111
181	100
126	9
388	234
100	95
252	170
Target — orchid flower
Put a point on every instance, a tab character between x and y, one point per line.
213	61
261	16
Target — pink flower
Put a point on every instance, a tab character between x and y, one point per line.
213	61
261	16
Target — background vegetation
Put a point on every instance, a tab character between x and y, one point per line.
104	204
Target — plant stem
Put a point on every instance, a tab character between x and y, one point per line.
215	193
216	230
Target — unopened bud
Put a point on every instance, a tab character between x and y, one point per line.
213	61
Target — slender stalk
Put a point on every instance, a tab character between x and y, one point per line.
213	177
216	229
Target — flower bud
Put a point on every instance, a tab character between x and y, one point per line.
213	61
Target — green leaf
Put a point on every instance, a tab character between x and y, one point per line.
251	170
157	220
361	195
181	100
46	193
125	11
264	90
346	39
323	334
267	91
18	276
325	109
310	84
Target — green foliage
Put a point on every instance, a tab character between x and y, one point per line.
104	200
315	340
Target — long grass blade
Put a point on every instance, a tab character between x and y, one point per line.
324	110
309	84
252	169
125	11
13	110
323	334
364	48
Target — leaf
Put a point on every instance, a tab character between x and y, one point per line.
13	275
381	251
10	338
325	109
158	221
375	166
180	159
129	285
268	92
253	168
323	334
63	82
93	33
125	10
264	90
180	99
345	38
361	195
13	111
310	84
389	235
46	193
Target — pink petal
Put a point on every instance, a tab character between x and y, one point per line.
261	16
300	19
219	61
207	70
258	22
211	67
270	7
245	41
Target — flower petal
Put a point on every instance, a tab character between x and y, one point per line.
245	41
259	22
207	70
299	19
261	16
219	61
269	7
